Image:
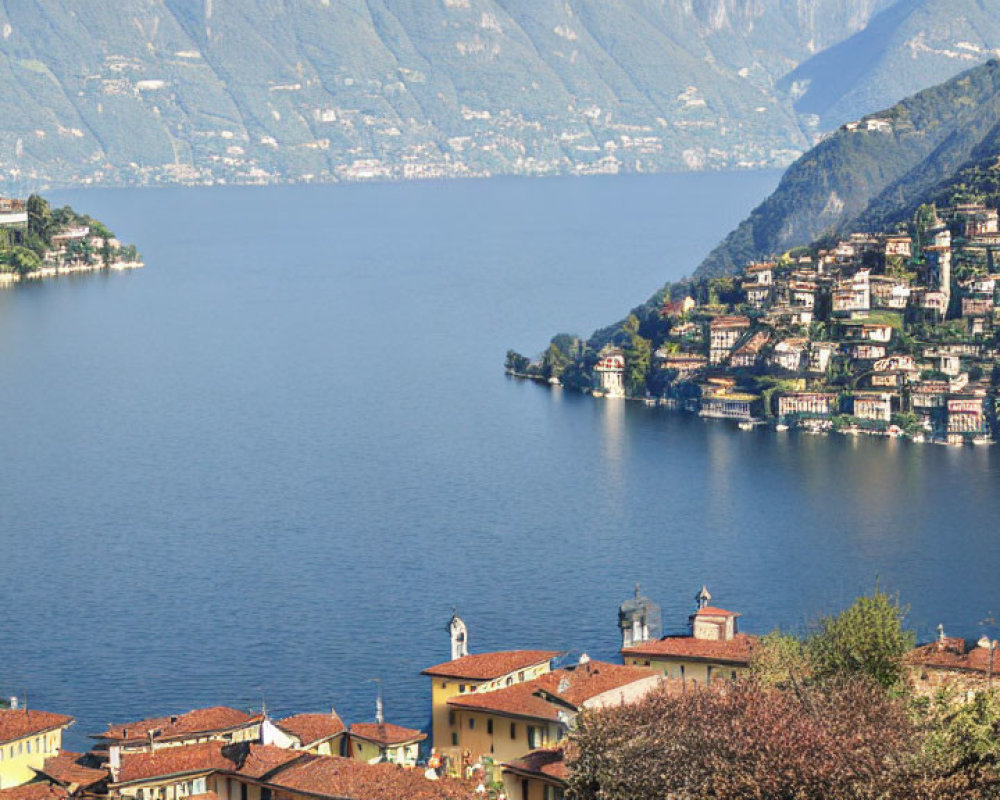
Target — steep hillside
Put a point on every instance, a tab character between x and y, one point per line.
890	161
126	91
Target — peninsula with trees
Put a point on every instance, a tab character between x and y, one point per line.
38	241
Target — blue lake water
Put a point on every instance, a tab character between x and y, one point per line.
268	464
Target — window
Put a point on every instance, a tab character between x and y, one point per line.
472	723
461	688
532	737
454	740
444	684
265	793
520	676
489	726
513	730
734	674
243	791
451	717
682	672
29	747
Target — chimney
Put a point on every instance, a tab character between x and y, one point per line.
941	637
13	703
152	744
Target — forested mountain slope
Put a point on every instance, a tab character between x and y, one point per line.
890	161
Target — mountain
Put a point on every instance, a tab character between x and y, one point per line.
141	91
910	45
873	171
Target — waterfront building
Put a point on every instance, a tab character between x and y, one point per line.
875	406
507	723
736	405
611	373
323	734
13	213
713	649
539	775
807	404
473	673
967	415
27	739
219	723
383	741
820	354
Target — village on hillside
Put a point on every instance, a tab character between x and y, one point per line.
889	334
500	723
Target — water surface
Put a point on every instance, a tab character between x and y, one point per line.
268	464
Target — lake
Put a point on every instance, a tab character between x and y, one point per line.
268	464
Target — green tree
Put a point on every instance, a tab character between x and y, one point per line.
515	362
39	218
779	659
867	638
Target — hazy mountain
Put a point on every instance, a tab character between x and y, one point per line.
912	44
873	172
121	91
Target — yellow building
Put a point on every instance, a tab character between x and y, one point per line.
383	741
539	775
471	674
27	738
505	724
714	650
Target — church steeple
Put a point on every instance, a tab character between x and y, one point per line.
459	634
638	620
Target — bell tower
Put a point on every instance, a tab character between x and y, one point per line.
459	635
638	620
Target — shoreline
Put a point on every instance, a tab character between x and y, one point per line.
8	279
823	428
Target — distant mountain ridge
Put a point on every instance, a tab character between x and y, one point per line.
146	91
872	173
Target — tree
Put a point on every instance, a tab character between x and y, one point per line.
868	638
779	659
515	362
22	260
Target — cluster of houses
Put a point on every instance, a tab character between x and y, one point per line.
499	725
887	333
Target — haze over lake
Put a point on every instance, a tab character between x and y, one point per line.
269	463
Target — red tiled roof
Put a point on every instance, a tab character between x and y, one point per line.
17	723
486	666
34	791
179	760
311	728
736	651
574	686
710	611
386	733
953	653
66	769
201	720
544	763
264	758
346	779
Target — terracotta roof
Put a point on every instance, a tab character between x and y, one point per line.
710	611
178	760
261	759
486	666
198	721
346	779
311	728
34	791
386	733
203	796
17	723
954	653
545	763
573	687
736	651
66	769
